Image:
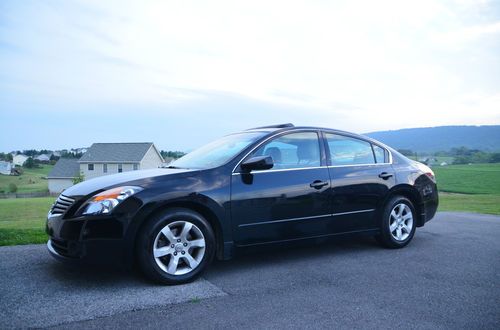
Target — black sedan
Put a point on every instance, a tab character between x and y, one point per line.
267	185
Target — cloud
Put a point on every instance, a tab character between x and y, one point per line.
344	64
461	36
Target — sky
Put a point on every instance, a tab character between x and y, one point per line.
181	73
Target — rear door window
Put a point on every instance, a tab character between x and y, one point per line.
381	156
346	150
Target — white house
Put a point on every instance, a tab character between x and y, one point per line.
5	167
109	158
62	174
19	160
43	158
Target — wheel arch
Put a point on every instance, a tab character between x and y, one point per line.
197	207
410	193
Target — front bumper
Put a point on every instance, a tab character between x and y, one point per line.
86	240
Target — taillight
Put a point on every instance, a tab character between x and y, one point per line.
431	176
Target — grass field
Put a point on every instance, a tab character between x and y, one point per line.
32	180
22	220
469	179
489	204
470	188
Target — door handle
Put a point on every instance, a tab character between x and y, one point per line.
318	184
384	175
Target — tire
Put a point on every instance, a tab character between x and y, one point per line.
398	223
175	246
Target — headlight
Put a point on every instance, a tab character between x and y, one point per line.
105	202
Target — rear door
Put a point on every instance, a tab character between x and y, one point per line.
289	201
361	175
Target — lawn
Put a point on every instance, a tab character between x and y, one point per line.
470	188
469	179
22	220
32	180
489	204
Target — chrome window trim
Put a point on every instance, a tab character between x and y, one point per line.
282	170
315	130
362	139
318	131
355	165
304	218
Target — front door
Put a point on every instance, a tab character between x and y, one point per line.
289	201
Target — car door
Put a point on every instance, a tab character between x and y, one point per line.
361	175
289	201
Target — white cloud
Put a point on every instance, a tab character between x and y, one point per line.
360	60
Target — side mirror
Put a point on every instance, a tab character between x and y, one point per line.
257	163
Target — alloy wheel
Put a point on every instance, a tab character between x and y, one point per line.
179	247
401	222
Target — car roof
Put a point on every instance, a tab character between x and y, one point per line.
290	128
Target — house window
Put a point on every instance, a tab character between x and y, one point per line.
105	168
120	169
136	167
91	167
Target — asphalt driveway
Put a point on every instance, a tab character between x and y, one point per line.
448	277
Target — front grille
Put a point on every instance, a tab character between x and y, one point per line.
62	204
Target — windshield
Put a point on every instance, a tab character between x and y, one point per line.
217	152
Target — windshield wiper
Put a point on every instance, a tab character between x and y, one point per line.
172	166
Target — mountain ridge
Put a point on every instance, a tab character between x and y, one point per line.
441	138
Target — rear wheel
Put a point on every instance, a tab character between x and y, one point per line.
398	223
175	246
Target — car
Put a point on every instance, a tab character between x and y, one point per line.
276	184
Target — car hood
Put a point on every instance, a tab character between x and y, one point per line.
109	181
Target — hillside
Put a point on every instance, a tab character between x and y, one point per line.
431	139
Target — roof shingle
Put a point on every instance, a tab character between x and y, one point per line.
65	168
116	152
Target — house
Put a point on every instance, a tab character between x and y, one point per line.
43	158
109	158
20	159
5	168
62	174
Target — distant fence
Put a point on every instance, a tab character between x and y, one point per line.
27	195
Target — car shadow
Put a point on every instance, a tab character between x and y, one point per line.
95	275
252	258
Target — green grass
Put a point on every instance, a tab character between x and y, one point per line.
489	204
469	188
22	220
32	180
469	179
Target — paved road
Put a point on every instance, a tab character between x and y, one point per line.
448	277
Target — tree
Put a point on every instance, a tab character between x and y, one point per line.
172	154
495	157
79	178
30	163
406	152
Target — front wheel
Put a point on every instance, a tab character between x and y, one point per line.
398	223
175	246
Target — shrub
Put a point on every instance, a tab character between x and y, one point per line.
79	178
12	188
